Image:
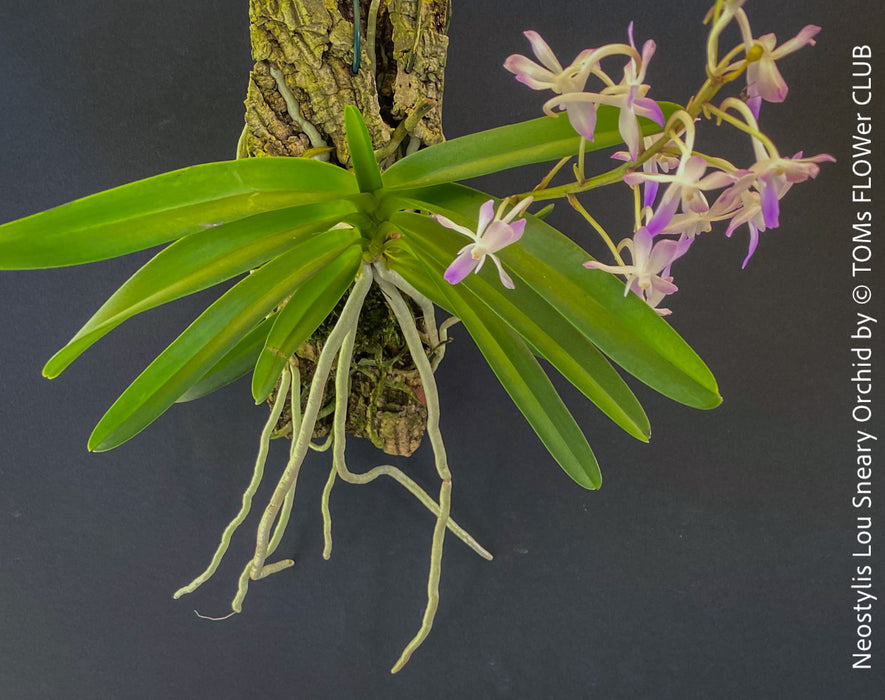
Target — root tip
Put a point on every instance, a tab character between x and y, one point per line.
403	660
216	619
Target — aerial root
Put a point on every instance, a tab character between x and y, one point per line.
257	473
347	323
327	514
443	334
445	496
426	500
215	619
339	464
275	517
425	371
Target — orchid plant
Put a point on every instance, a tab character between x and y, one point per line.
309	240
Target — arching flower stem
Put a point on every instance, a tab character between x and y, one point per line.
747	127
637	208
578	207
580	173
702	97
545	182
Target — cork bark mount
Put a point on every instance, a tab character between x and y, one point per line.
387	404
301	81
310	44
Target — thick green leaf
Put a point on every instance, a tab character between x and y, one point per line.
362	155
209	338
623	327
511	146
539	324
517	369
199	261
166	207
302	315
236	363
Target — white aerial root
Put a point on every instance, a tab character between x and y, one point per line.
340	342
425	371
339	466
258	472
294	110
347	322
371	29
427	312
440	350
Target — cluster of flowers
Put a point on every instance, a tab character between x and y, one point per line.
749	196
665	226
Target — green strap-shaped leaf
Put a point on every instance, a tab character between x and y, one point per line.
236	363
623	327
212	335
199	261
362	155
300	317
516	368
539	324
511	146
166	207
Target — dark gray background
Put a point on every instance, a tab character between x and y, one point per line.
714	563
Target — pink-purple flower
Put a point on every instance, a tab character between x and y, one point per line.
493	232
764	81
749	212
550	75
684	186
665	160
649	274
629	96
772	175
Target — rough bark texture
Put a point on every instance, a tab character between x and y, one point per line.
308	45
311	43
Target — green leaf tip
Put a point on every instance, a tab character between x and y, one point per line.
362	155
96	445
